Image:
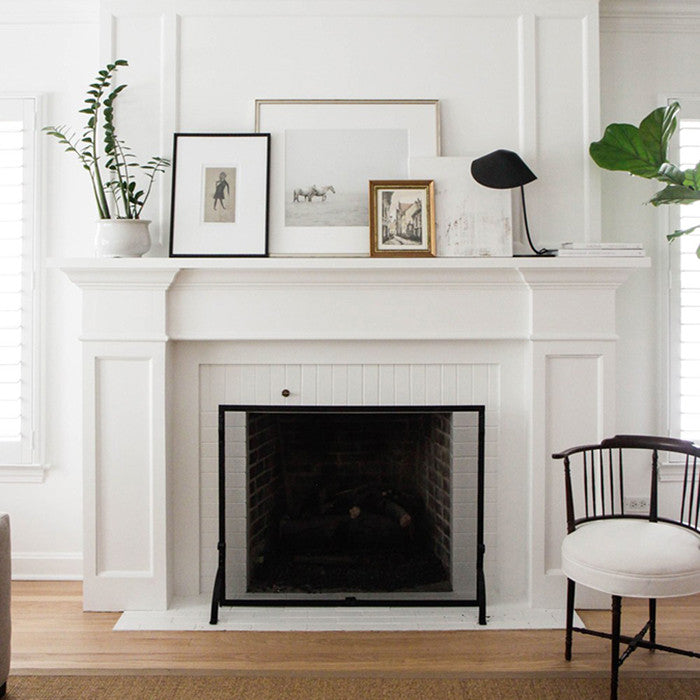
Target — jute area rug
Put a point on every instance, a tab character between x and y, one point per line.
123	687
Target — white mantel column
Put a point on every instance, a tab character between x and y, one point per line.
572	375
125	443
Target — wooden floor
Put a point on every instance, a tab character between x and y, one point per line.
52	634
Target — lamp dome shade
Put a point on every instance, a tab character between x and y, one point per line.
501	170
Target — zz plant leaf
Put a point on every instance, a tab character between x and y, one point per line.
109	162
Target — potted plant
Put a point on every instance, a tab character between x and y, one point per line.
643	151
112	169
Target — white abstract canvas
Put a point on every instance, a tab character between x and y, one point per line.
470	220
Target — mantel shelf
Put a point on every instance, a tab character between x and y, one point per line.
349	263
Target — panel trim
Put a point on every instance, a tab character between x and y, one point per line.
100	400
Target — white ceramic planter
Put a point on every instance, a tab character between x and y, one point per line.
122	238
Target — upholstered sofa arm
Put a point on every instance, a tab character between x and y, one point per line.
5	575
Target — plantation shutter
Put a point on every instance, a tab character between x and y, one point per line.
685	356
17	173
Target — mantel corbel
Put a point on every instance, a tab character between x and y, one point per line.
576	303
124	304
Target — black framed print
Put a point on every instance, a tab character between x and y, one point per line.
220	197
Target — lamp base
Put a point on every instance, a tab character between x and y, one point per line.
545	254
521	249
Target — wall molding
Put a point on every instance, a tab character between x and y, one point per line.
649	8
50	12
23	473
672	472
47	566
644	16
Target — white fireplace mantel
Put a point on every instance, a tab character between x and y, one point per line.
560	313
343	298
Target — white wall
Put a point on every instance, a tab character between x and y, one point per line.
52	49
508	73
649	51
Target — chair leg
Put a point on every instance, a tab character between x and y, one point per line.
615	645
652	621
570	594
3	689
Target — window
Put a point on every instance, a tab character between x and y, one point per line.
685	293
18	296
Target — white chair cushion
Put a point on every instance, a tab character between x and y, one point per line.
633	558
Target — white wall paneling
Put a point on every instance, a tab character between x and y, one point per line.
201	65
145	34
123	465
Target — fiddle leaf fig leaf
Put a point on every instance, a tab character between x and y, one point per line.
638	150
692	177
623	148
643	151
657	128
672	174
683	232
675	194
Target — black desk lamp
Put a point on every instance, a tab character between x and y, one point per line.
504	170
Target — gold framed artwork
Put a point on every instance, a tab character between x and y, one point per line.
401	218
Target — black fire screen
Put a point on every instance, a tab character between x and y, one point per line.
331	505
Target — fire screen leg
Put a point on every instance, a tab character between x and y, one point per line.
481	585
215	597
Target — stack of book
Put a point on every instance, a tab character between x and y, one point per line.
601	250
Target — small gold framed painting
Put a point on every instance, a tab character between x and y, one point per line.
401	218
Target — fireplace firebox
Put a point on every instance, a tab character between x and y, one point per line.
350	505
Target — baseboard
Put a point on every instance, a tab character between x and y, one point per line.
47	566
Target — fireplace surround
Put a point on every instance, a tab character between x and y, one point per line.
344	504
532	339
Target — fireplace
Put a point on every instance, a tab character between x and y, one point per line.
350	502
532	339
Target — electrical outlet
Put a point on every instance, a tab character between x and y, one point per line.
636	504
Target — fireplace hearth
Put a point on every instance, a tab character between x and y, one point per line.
348	502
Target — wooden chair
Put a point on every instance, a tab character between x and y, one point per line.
650	554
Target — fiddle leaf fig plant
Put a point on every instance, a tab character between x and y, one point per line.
109	162
643	151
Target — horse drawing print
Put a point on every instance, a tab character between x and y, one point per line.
307	194
303	195
322	192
